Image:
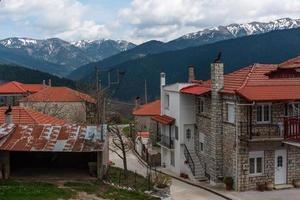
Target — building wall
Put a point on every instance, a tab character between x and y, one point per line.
10	99
236	150
145	123
181	108
72	112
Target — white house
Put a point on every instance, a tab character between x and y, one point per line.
176	126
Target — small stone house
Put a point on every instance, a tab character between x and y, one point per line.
143	114
63	103
244	125
11	92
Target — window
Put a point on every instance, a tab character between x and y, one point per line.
172	158
176	132
256	162
188	134
230	113
263	113
200	105
294	109
167	101
279	161
201	142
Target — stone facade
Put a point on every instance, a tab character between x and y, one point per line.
235	148
72	112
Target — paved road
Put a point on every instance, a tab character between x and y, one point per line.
179	190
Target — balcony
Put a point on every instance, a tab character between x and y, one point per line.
292	128
166	141
262	132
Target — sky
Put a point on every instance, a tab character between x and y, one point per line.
132	20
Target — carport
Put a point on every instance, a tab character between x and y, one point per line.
68	151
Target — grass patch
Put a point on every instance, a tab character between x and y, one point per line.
126	131
17	190
108	192
136	181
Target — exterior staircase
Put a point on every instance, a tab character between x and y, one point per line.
196	167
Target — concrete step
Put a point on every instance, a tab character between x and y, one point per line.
283	186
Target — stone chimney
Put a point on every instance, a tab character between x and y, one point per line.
8	115
162	84
191	73
50	82
215	147
137	102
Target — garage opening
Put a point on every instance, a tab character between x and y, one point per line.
53	164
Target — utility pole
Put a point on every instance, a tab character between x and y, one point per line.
100	95
146	95
98	105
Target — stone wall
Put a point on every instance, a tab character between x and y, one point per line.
72	112
293	163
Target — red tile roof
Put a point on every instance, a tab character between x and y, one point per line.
164	119
195	89
22	115
48	138
150	109
14	87
290	64
58	94
143	134
254	83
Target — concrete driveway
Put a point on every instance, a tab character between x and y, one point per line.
179	190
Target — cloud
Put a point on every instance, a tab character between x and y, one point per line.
168	19
52	18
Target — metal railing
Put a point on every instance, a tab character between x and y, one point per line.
291	128
261	131
189	159
166	141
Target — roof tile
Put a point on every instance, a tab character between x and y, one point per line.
22	115
58	94
150	109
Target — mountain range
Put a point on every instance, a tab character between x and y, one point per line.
241	44
273	47
57	56
206	36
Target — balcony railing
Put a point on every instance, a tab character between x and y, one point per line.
166	141
292	128
262	131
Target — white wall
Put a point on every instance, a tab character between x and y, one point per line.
182	108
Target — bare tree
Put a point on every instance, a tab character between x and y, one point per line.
120	145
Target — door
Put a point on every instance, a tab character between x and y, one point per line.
280	166
189	136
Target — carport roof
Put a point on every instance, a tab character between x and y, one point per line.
50	138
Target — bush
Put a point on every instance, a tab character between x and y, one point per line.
161	180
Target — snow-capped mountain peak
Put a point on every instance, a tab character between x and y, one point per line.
237	30
17	42
214	34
